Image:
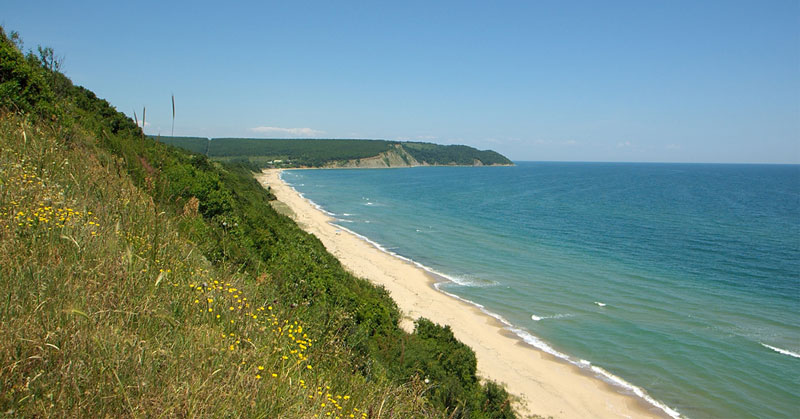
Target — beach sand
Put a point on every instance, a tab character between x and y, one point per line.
544	384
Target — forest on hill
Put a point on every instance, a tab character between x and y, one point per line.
330	152
144	280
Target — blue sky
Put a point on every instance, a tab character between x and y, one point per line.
676	81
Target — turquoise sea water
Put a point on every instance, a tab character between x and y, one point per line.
682	281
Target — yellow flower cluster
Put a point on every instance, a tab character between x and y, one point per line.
230	304
141	244
229	307
57	217
20	178
50	217
334	404
31	204
24	177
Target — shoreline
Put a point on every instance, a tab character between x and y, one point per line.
543	382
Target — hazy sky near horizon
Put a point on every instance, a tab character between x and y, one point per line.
672	81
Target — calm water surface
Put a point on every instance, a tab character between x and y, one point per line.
681	280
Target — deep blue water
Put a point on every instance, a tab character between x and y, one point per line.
680	279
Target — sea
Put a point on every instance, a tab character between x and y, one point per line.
679	283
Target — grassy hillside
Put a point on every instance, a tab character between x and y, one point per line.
317	152
139	280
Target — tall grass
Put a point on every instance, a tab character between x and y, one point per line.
100	318
141	281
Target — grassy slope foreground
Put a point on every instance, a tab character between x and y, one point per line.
139	280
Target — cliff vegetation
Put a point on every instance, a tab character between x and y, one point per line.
138	279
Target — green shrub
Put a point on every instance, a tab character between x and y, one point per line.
128	326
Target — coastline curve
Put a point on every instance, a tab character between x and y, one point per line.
547	381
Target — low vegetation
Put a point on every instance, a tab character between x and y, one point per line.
141	280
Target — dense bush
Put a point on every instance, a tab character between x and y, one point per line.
22	86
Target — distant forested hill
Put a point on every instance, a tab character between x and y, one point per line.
335	152
454	154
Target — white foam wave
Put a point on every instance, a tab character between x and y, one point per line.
636	390
466	282
347	215
600	304
317	206
581	363
781	351
450	278
369	203
554	316
302	195
473	283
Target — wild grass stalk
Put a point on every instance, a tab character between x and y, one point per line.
172	132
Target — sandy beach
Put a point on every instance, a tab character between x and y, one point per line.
545	385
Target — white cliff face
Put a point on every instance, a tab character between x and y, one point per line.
396	157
